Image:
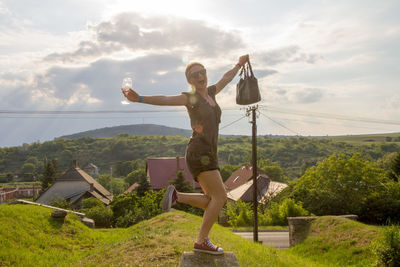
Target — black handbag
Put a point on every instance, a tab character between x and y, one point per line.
247	91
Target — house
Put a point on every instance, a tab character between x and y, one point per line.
161	171
265	186
240	177
92	170
74	186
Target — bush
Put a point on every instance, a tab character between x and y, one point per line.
277	214
387	249
91	203
101	215
129	209
61	203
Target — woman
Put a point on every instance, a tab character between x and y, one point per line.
201	152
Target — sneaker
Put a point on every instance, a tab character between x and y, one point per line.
208	247
169	199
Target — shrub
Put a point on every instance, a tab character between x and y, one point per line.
277	214
61	203
129	209
101	215
387	249
239	214
91	203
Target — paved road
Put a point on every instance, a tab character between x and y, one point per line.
274	239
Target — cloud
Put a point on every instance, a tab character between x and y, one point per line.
133	32
287	54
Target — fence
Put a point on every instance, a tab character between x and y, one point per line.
8	193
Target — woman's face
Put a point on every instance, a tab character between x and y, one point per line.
198	77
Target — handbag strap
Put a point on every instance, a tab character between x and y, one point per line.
249	67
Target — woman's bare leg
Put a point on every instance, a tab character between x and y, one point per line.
212	184
194	199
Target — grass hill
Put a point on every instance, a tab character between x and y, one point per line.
135	129
30	237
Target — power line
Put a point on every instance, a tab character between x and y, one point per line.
280	124
229	124
330	116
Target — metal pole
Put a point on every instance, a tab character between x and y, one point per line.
254	159
111	175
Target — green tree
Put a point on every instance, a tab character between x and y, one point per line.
135	176
144	186
395	168
180	183
49	174
339	184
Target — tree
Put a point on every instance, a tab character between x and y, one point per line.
180	183
339	184
27	171
395	168
135	176
143	187
49	174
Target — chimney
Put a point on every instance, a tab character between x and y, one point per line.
91	187
75	163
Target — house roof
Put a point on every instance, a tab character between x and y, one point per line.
90	165
132	188
265	186
241	176
77	174
162	170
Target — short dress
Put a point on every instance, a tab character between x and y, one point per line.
201	152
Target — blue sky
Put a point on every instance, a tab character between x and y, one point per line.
324	67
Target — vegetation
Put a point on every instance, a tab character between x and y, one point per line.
387	248
240	214
129	209
31	237
283	158
96	210
344	184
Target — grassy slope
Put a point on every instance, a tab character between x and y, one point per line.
29	237
334	241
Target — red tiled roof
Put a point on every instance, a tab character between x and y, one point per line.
162	170
241	176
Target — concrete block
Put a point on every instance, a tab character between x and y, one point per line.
88	222
197	259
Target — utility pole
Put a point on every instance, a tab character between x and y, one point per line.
253	121
111	175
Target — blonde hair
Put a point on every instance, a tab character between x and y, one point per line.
188	67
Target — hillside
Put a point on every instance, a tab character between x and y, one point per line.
135	129
294	154
31	238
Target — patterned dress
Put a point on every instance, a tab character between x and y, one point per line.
201	153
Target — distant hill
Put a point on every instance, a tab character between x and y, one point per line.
135	129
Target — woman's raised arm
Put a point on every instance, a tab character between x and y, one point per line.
159	100
228	76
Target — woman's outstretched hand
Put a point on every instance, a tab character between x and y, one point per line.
131	95
243	60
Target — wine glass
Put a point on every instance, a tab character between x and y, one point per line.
126	85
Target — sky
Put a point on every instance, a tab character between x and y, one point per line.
323	67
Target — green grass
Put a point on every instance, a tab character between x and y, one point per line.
30	237
367	138
335	241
